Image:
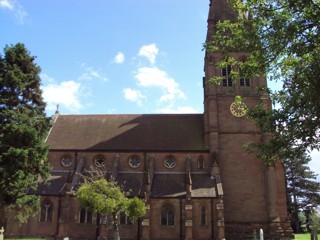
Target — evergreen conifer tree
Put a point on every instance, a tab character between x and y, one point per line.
303	189
23	129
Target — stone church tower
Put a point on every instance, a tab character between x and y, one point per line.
190	169
254	193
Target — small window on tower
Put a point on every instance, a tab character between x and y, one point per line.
226	76
244	82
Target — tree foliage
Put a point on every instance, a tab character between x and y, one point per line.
23	129
107	199
281	38
302	188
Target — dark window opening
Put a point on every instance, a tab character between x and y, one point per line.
125	220
245	82
167	216
85	216
46	212
200	163
203	216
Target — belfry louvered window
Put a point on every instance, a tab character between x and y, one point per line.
226	76
244	82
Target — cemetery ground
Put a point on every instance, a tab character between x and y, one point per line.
303	236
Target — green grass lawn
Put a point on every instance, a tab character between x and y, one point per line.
302	236
305	236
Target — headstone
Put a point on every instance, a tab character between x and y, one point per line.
261	234
1	233
314	235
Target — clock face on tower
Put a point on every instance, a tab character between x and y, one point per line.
238	109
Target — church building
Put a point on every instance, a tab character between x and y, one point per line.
190	169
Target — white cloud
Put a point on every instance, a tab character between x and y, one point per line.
65	94
133	95
154	77
119	58
91	74
6	4
149	51
16	8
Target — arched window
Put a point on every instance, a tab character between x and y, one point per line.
85	216
203	216
200	162
46	211
167	216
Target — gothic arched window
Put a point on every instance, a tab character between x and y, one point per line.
200	162
46	211
85	216
167	216
203	216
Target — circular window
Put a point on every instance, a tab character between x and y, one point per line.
134	162
99	161
169	162
66	161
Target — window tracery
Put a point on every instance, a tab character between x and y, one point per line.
46	211
167	216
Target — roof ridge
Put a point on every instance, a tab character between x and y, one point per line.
133	114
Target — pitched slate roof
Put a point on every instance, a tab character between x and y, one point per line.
128	132
168	185
173	185
203	186
131	182
55	185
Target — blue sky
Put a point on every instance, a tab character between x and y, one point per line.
114	56
111	56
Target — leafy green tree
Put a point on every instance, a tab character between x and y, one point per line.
302	188
281	38
107	199
23	129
